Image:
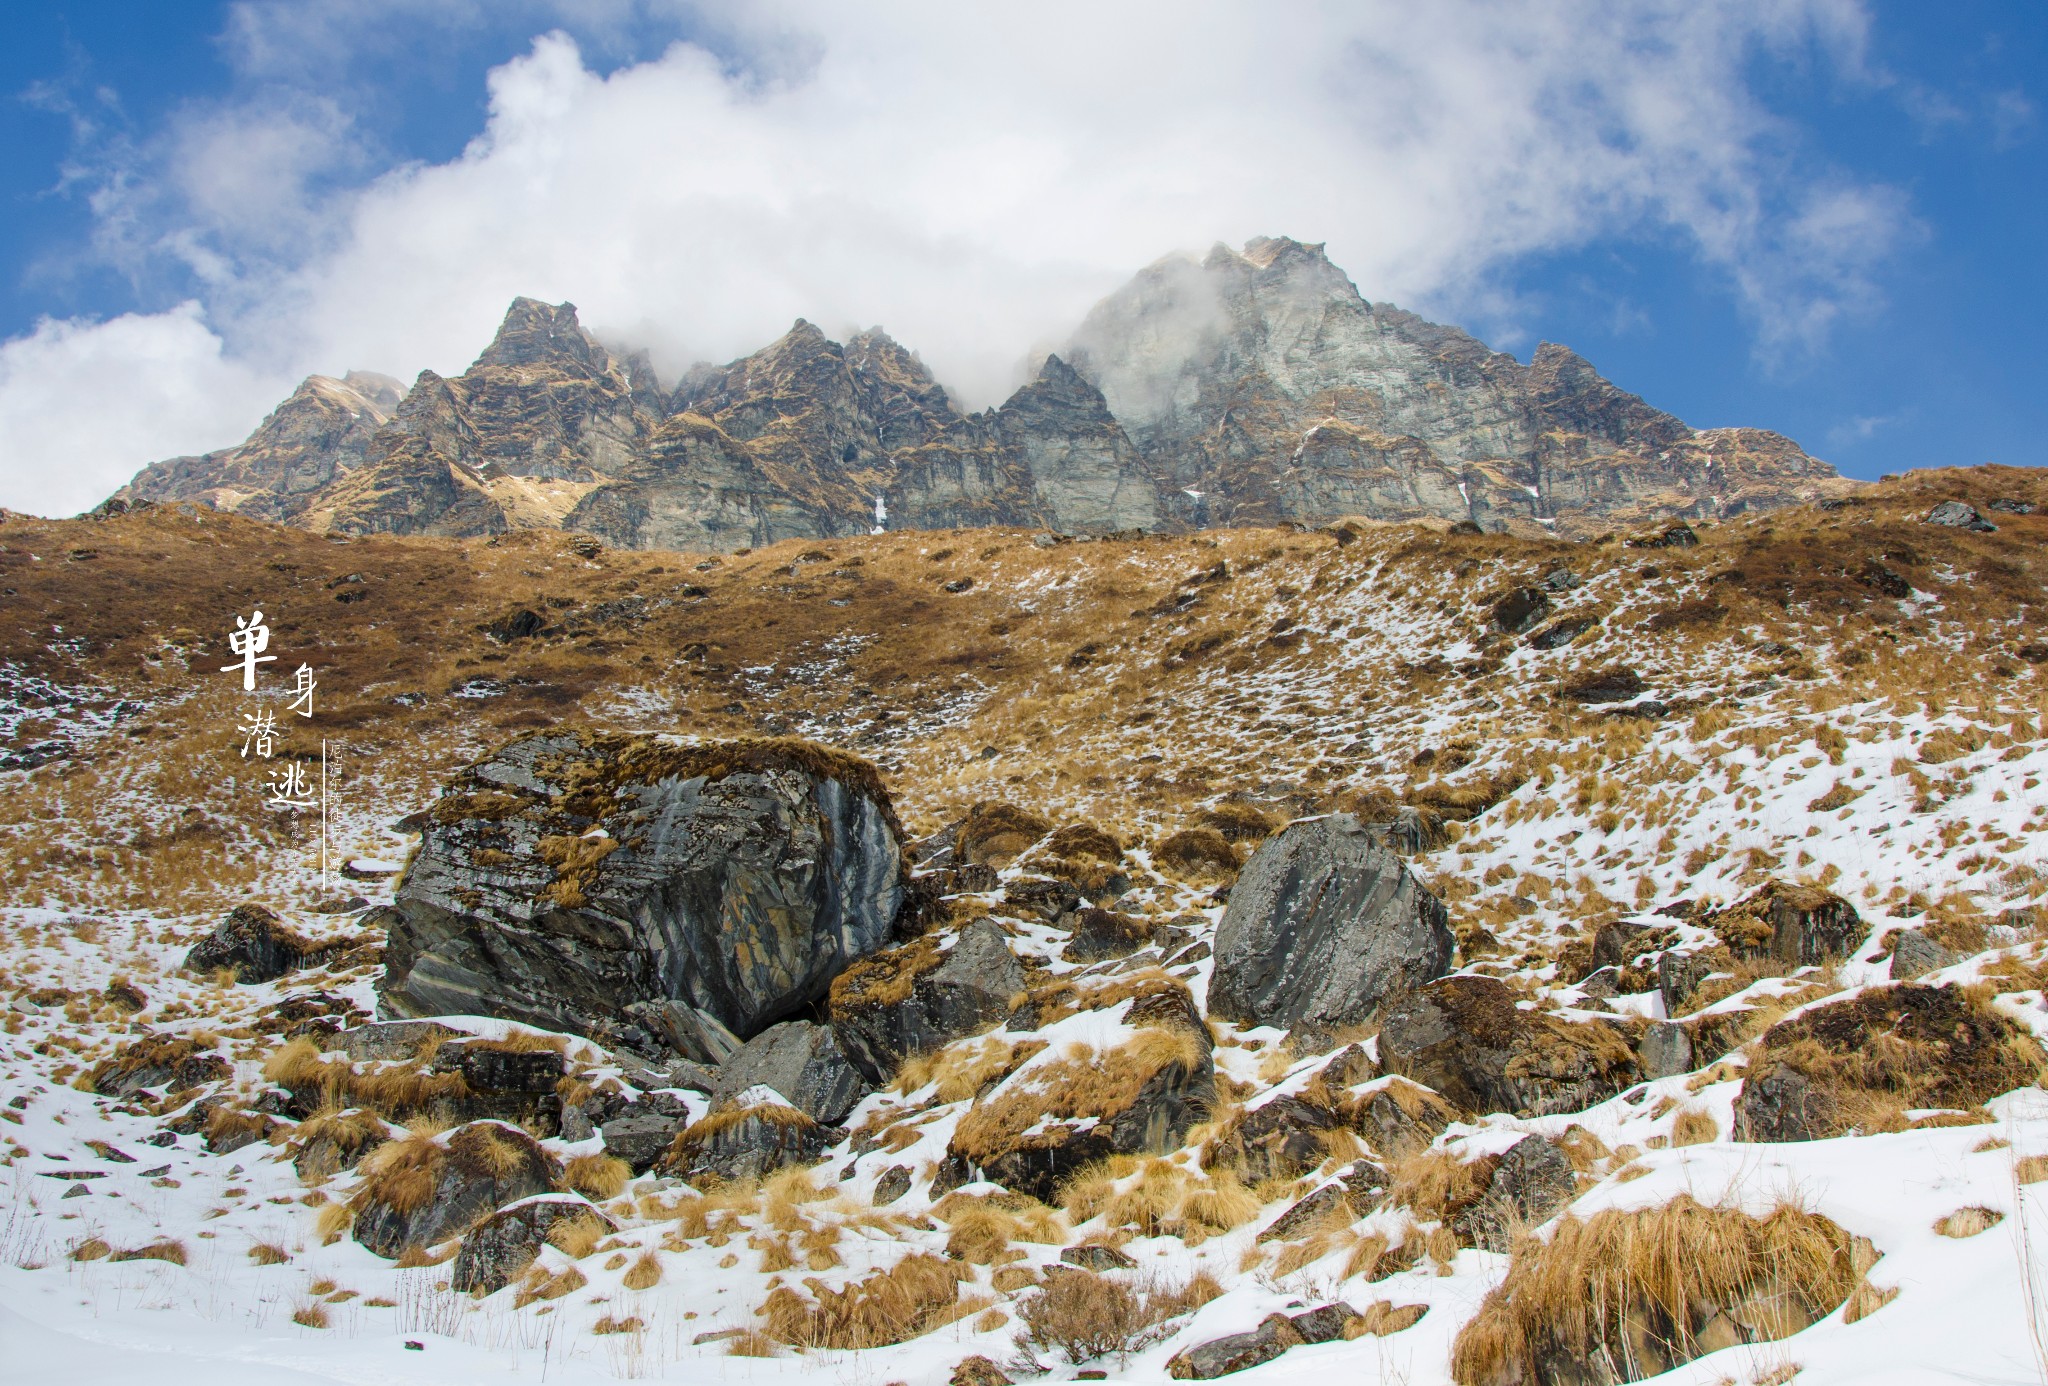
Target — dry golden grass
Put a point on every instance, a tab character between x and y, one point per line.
597	1177
310	1315
1694	1126
1968	1222
911	1298
91	1249
1084	1316
1649	1288
268	1254
609	1324
961	1070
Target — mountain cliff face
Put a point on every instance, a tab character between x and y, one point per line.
1241	389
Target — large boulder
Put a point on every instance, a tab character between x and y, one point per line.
1860	1064
581	881
914	999
504	1244
420	1192
253	943
1466	1038
801	1061
1323	925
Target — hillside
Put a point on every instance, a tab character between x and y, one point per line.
1249	388
1733	826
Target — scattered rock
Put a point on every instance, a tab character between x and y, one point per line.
252	941
420	1192
501	1247
892	1185
1960	515
801	1061
1322	926
910	1000
572	875
2010	507
1465	1037
1679	535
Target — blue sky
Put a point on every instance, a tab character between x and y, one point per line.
1815	216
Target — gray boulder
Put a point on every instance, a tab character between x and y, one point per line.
641	1138
801	1061
914	999
572	880
1959	515
1915	955
504	1244
253	942
1323	925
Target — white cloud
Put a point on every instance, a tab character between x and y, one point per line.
970	178
80	400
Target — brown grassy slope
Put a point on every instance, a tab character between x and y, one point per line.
1126	683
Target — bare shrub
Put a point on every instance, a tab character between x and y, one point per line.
1083	1316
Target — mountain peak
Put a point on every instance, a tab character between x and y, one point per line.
534	333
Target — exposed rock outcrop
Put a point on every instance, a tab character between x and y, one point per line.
801	1061
603	884
503	1245
1323	925
1466	1038
253	943
1860	1063
913	999
420	1192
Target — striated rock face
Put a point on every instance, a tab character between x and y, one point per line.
656	895
1244	388
1265	383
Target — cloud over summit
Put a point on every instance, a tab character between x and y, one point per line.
972	179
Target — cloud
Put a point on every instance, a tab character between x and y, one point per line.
80	400
971	178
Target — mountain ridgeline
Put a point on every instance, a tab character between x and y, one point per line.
1248	388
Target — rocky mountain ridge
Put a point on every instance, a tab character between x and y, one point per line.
1242	389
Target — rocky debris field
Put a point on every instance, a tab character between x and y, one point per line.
1413	992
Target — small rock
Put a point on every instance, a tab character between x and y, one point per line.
1915	955
893	1184
1959	515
